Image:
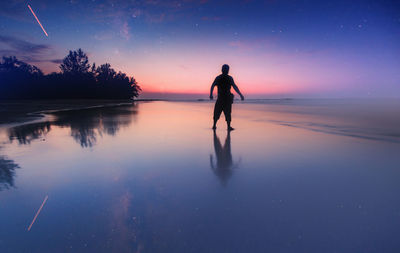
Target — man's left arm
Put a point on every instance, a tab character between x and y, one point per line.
237	90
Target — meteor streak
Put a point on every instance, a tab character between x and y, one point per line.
37	213
38	20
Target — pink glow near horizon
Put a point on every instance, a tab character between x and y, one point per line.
258	68
192	71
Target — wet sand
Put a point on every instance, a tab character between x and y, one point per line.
295	176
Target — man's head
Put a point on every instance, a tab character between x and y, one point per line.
225	69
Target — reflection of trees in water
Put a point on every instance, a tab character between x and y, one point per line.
85	136
7	173
26	133
86	125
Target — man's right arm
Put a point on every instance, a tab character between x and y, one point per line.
212	88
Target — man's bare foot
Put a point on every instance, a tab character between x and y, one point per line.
231	128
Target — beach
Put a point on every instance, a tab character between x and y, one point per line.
20	111
296	175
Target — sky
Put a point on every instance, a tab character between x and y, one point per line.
175	49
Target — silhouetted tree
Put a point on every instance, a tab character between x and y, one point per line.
17	78
77	80
11	64
104	73
76	62
115	84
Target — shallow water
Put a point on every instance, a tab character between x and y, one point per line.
295	176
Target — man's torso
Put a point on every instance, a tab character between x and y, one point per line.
224	84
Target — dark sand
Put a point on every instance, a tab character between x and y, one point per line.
18	111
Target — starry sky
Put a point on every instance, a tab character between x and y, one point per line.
275	48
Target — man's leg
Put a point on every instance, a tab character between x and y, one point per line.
217	112
227	112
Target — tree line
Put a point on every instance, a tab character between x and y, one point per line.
76	80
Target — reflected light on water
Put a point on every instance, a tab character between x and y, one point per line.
154	177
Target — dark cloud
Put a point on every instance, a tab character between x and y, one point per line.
56	61
25	50
26	57
23	46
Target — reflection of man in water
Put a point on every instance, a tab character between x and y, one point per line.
224	82
224	166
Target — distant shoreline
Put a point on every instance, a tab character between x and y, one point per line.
16	112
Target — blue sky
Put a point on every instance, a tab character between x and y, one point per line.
275	48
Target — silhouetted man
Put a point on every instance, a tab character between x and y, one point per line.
224	82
